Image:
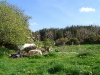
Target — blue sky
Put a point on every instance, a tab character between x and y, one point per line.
59	13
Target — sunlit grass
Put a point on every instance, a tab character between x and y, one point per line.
72	60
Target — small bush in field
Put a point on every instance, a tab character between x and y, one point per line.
48	43
75	41
56	67
39	43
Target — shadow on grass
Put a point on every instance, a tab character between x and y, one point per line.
5	52
84	54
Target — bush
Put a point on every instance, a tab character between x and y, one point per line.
48	43
74	41
39	43
61	41
56	67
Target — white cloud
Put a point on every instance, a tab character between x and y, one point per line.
87	9
33	24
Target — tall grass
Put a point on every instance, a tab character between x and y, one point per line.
86	61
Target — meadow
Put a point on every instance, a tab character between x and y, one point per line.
63	60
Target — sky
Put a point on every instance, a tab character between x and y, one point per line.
59	13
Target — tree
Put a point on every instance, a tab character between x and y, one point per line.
14	26
59	34
43	34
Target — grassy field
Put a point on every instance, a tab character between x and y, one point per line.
63	60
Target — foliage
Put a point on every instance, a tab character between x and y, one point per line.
39	43
42	34
59	34
48	43
56	67
74	41
13	24
82	33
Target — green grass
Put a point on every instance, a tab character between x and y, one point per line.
64	60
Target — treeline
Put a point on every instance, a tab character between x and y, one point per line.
70	35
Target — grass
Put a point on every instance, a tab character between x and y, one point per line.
64	60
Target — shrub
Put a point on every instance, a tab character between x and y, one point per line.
61	41
48	43
74	41
56	67
39	43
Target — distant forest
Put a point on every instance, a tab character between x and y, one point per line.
70	35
